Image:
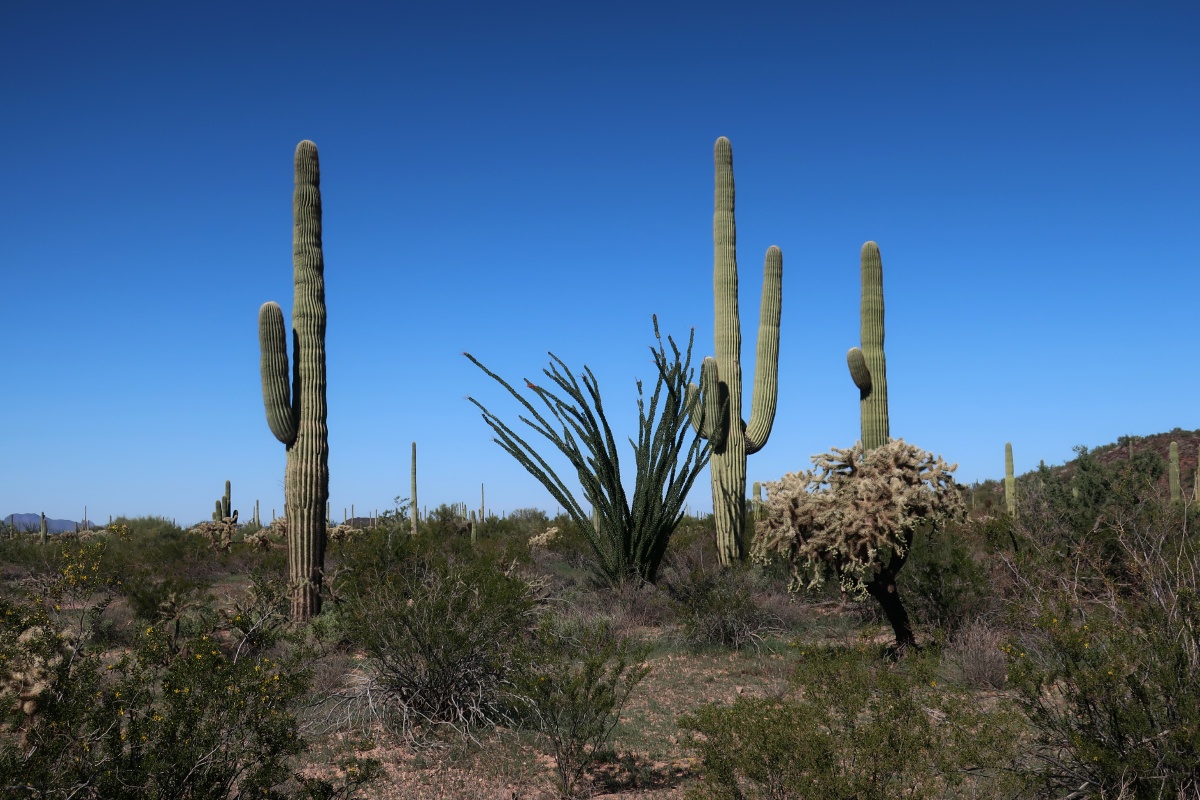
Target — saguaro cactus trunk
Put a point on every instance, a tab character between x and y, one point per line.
1010	481
716	405
868	367
298	418
1173	463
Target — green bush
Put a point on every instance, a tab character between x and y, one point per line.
945	582
443	639
204	715
1109	680
859	731
580	677
716	606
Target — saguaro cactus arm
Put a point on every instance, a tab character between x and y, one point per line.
272	341
766	357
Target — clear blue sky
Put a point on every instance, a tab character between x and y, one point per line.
516	178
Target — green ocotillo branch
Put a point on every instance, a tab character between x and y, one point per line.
295	399
716	405
868	367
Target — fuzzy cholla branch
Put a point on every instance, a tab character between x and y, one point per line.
855	511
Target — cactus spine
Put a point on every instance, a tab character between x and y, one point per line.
1174	472
298	418
716	405
868	367
1010	481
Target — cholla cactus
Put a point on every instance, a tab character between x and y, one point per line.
343	533
33	668
542	541
856	513
220	532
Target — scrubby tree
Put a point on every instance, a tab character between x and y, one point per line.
855	515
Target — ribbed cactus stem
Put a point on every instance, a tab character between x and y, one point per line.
1010	481
43	530
413	495
298	416
716	405
868	367
1176	493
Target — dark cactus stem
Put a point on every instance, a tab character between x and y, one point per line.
883	589
868	367
44	530
716	405
1176	493
297	416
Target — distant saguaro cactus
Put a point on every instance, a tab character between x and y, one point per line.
716	405
868	367
1176	493
298	417
1010	481
412	509
43	530
224	507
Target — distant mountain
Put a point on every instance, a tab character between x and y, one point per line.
33	523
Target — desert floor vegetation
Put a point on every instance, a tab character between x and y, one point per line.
1056	657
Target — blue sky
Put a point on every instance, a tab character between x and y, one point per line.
512	179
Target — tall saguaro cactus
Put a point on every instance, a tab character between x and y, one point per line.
868	367
298	418
1010	481
716	405
412	508
1173	461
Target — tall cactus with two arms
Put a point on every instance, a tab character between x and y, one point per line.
298	418
716	405
868	367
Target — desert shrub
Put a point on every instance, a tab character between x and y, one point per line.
976	653
1108	677
716	606
946	582
192	715
580	677
858	731
443	640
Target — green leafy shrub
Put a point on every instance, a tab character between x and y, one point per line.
1108	679
859	731
946	581
715	605
201	716
443	639
579	679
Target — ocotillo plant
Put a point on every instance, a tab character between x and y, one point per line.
298	417
716	405
1010	481
868	367
1174	472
